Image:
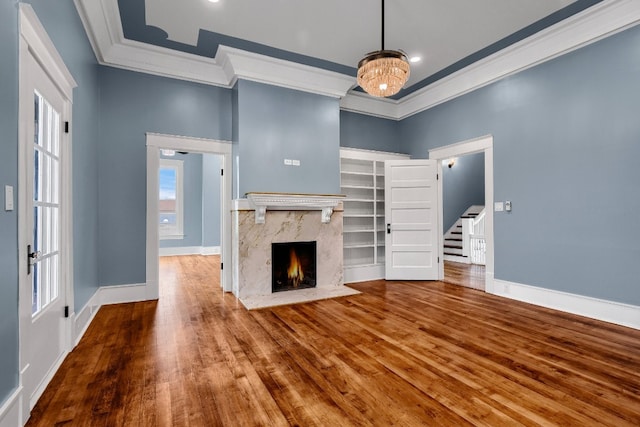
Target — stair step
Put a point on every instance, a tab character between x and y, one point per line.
452	239
456	232
453	246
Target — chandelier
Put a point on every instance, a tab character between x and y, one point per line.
383	73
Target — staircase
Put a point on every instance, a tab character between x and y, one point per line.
453	242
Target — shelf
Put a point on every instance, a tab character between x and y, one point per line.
362	181
359	200
359	187
358	246
345	172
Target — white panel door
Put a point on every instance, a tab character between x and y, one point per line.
411	214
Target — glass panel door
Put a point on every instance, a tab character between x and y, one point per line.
45	258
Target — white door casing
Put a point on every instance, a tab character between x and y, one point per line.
45	89
155	142
412	218
483	144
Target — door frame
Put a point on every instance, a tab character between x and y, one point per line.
35	41
156	142
483	144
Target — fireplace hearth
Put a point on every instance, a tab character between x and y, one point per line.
293	266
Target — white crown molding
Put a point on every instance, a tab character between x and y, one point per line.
102	24
362	103
265	69
589	26
101	20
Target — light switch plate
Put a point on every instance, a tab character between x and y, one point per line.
498	206
287	162
8	198
296	162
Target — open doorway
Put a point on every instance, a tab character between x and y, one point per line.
463	220
190	206
463	274
177	224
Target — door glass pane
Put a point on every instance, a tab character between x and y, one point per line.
46	203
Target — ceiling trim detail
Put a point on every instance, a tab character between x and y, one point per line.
588	26
101	19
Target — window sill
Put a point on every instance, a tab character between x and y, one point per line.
171	236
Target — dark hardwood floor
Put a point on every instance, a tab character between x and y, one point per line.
399	354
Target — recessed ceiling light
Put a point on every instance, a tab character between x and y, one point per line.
214	1
415	59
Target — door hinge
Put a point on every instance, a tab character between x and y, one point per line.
437	176
66	311
66	127
221	172
438	260
222	266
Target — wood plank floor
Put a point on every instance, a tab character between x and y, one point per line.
468	275
399	354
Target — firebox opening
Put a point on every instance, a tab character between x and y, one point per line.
293	266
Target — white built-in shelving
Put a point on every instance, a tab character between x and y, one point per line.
362	181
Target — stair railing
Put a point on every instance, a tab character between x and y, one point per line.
473	241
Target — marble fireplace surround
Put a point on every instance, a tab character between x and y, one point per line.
265	218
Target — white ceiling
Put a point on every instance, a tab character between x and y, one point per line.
442	32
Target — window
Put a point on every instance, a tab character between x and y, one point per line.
171	199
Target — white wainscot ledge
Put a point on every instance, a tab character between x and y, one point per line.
261	202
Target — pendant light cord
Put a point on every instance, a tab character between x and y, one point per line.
382	25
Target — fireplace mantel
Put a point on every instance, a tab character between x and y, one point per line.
262	202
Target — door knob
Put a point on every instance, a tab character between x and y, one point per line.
31	257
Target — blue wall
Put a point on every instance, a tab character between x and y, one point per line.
369	133
131	105
462	186
211	207
8	220
65	29
566	145
276	124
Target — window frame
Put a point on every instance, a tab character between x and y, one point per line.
178	166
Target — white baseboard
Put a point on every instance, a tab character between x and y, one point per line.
84	317
363	273
210	250
121	294
607	311
190	250
10	414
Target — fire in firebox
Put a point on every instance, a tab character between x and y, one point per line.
293	265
